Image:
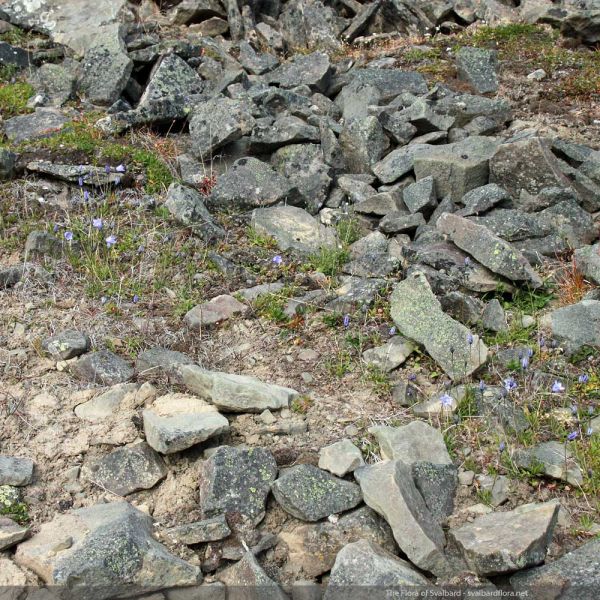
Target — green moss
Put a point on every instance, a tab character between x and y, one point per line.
13	99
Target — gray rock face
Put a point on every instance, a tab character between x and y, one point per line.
178	421
420	196
127	470
490	250
512	225
504	542
42	243
390	82
246	575
478	67
493	317
312	547
235	393
310	69
340	458
418	315
209	530
13	55
388	488
196	10
251	183
576	575
587	260
363	563
293	228
11	533
15	471
576	325
482	199
107	404
8	160
285	130
553	459
311	494
391	355
255	62
106	550
437	484
187	207
66	344
102	367
218	309
399	162
363	143
495	405
217	122
400	222
235	481
92	176
44	122
158	361
412	443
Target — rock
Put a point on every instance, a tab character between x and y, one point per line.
482	199
389	356
13	56
247	575
11	533
105	549
42	243
304	69
575	326
251	183
195	11
552	459
8	161
494	403
412	443
209	530
217	122
462	307
160	361
312	548
576	574
186	206
311	494
493	317
126	470
503	542
570	223
284	130
107	404
253	293
363	563
388	488
587	260
91	176
400	222
456	168
42	123
478	67
293	228
437	484
390	82
219	309
355	292
418	315
399	162
235	393
56	82
106	69
497	486
435	407
66	344
404	394
340	458
211	27
422	116
363	143
178	421
254	62
537	75
15	471
102	367
490	250
420	196
236	481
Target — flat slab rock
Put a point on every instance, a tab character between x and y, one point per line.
418	315
11	533
15	470
175	422
66	344
219	309
311	494
576	325
104	551
209	530
102	367
340	458
236	481
235	393
44	122
553	458
503	542
127	470
159	361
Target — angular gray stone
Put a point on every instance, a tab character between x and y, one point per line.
466	107
102	367
399	162
503	542
56	82
304	69
498	487
236	481
209	530
247	577
490	250
255	62
363	143
493	317
251	183
494	404
284	130
293	228
390	82
13	56
92	176
218	309
42	243
363	563
190	11
126	470
462	307
235	393
103	551
437	484
481	199
217	122
11	533
44	122
401	222
575	326
178	421
67	344
107	404
340	458
553	459
512	225
157	361
187	207
478	67
420	196
388	488
8	161
412	443
389	356
355	292
418	315
576	574
311	494
15	471
587	260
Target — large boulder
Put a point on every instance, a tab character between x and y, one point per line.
313	70
575	326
